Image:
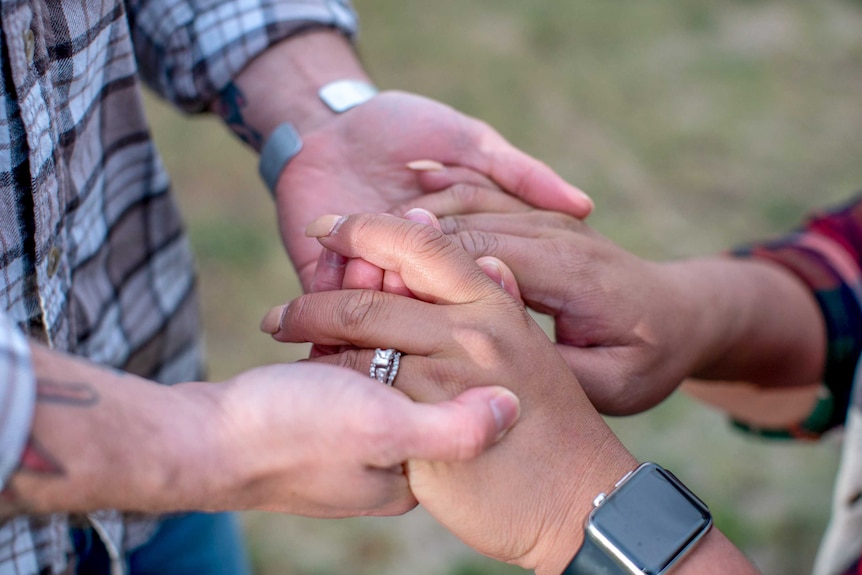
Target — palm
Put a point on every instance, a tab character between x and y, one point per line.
357	163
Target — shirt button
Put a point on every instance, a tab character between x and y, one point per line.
53	261
29	45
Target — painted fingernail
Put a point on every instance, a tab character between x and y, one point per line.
426	166
506	408
273	320
324	226
421	216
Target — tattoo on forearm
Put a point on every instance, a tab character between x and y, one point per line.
36	459
74	394
229	106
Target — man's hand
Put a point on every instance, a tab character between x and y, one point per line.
298	438
325	442
357	162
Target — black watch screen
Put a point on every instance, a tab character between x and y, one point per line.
650	520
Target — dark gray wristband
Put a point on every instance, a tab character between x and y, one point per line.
279	149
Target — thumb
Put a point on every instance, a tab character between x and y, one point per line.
528	178
461	428
502	276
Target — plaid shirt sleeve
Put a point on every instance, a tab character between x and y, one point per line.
189	50
17	396
826	254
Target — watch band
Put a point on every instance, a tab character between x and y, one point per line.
593	560
285	142
280	148
342	95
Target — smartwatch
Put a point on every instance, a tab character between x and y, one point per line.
645	526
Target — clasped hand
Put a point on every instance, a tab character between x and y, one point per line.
458	331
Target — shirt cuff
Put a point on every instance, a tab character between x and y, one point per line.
190	54
825	255
17	397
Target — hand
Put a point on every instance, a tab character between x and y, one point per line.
357	162
325	442
618	322
633	329
525	498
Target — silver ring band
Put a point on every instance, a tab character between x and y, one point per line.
384	365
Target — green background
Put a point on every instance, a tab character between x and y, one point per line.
695	125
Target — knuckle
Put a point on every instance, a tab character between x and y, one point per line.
468	196
477	243
427	243
356	310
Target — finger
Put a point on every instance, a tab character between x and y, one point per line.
329	273
533	224
502	275
364	318
392	281
432	266
434	177
359	274
459	429
463	198
522	175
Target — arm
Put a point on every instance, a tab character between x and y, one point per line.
525	500
357	161
262	440
265	66
634	329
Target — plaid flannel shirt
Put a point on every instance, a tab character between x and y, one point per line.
94	258
826	255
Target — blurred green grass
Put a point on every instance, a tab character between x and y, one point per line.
695	125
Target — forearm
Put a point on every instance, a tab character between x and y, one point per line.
749	321
106	439
281	85
713	555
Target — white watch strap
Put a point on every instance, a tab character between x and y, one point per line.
280	148
342	95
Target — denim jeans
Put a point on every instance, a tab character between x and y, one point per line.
187	544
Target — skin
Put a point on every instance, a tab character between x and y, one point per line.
523	501
748	333
357	161
303	439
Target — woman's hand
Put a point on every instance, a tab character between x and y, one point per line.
525	499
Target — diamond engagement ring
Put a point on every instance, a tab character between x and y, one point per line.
384	365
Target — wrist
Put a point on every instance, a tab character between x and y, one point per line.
553	552
707	320
749	320
282	84
195	470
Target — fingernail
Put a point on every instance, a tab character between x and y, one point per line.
324	226
586	197
492	270
421	216
273	320
506	409
426	166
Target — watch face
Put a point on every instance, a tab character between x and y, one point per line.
651	519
